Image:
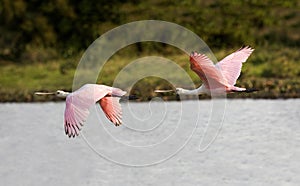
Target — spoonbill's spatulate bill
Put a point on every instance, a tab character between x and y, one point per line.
219	78
79	102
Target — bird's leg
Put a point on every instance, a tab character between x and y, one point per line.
130	97
251	90
246	90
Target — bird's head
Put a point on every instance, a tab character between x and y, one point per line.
61	94
179	91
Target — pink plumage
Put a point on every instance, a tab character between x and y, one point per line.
222	75
79	102
232	64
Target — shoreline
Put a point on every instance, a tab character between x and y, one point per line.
31	98
267	89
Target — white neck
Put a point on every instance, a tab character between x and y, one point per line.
198	91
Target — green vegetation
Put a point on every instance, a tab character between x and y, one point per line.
41	42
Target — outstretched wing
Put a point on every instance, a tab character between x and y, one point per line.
79	102
112	109
111	106
232	64
207	71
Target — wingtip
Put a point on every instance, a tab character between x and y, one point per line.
117	123
66	128
195	54
247	47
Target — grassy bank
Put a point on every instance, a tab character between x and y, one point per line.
274	71
41	42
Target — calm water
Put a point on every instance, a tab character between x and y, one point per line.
258	144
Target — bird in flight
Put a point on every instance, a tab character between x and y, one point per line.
79	102
217	78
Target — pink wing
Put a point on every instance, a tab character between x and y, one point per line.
112	109
232	64
79	102
207	71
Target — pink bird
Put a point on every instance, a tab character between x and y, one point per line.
219	78
79	102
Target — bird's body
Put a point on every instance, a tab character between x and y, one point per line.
79	102
220	78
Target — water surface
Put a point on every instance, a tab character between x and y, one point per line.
259	144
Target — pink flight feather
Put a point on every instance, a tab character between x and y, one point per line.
79	102
222	75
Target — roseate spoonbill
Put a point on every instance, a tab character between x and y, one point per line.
79	102
217	78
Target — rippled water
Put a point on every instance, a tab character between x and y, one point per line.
258	144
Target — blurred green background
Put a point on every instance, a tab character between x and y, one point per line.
41	42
